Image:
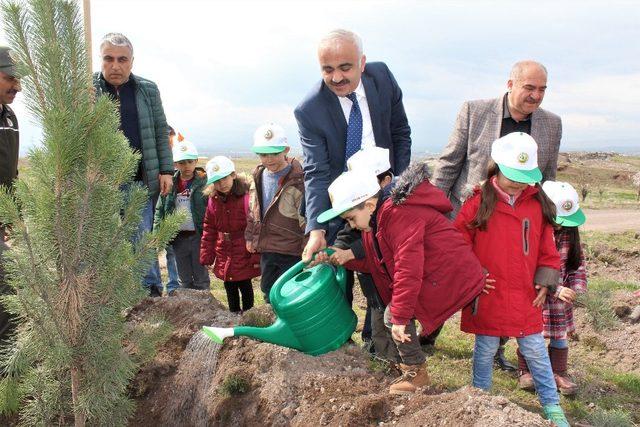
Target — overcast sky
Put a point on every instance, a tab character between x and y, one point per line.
225	67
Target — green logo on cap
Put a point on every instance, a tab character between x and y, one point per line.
523	157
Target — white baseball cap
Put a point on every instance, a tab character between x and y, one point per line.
565	197
374	159
218	168
183	149
349	190
517	157
269	139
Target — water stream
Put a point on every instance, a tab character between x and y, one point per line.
192	382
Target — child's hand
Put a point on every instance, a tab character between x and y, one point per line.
398	334
250	248
319	258
542	294
566	294
341	256
488	284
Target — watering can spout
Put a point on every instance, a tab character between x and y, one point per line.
278	333
217	334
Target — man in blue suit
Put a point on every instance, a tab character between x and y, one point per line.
352	107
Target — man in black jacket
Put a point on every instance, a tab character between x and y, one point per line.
9	147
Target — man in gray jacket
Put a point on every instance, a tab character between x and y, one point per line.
463	163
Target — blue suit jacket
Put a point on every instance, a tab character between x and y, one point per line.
323	134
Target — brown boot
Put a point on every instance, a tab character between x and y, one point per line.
525	380
558	358
413	376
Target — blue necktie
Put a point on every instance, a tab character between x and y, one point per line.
354	129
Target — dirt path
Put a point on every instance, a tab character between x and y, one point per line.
612	220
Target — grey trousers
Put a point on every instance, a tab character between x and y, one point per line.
191	274
408	353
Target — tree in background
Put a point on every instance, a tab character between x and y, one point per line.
71	264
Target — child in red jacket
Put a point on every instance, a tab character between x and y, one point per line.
421	266
510	223
223	244
558	308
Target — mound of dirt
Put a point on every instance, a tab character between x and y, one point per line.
613	263
195	382
618	348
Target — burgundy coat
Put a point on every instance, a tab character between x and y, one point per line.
421	265
518	251
223	243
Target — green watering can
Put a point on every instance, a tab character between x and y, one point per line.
311	309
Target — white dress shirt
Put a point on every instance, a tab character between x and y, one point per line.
368	139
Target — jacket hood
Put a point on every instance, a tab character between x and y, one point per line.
413	188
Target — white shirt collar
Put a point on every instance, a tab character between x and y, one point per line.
360	90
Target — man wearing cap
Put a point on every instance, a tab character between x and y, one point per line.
9	148
143	122
352	107
463	163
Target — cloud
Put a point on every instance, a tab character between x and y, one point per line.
225	67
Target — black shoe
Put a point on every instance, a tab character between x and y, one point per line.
502	362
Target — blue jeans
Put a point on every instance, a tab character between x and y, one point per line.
172	270
152	279
533	349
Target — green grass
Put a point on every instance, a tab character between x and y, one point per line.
604	284
599	310
612	418
627	381
234	385
627	241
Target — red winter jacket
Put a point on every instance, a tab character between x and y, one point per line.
223	239
518	251
421	265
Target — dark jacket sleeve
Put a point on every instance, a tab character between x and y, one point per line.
317	173
350	238
400	130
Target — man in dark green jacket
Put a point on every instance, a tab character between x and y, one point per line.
143	122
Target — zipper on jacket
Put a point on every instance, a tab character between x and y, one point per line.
525	235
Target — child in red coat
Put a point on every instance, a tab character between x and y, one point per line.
509	224
223	244
422	268
558	308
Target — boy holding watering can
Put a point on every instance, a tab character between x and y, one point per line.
422	267
348	245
